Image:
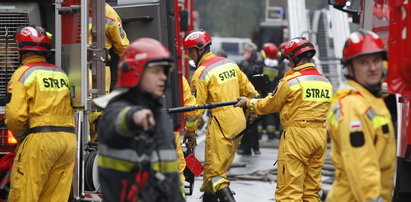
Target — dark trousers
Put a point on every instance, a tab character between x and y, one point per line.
250	139
271	124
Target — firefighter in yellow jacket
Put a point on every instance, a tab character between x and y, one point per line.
362	133
39	113
217	79
116	38
191	126
303	98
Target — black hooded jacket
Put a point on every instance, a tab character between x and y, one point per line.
125	144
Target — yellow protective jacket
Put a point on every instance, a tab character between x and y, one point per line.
191	124
40	96
297	94
115	35
189	100
362	145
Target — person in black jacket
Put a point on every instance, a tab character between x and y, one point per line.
252	64
137	154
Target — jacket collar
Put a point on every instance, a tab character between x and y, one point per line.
304	66
138	97
34	58
205	57
375	102
359	88
298	68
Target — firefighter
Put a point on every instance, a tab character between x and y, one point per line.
274	70
303	98
217	79
39	113
362	133
137	154
190	126
115	39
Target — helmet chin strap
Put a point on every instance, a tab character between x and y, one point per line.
295	61
199	56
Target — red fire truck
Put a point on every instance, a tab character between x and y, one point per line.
391	20
167	21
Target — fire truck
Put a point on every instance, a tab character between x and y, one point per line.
391	20
68	21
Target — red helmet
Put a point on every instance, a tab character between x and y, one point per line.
297	46
270	50
144	52
32	38
360	43
197	39
282	46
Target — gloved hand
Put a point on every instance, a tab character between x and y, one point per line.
250	115
93	120
190	139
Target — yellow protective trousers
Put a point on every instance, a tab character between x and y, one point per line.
107	77
219	153
300	160
181	159
43	168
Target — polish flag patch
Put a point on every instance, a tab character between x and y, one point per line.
355	125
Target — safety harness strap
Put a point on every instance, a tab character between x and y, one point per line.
51	129
39	129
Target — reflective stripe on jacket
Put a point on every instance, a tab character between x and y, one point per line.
298	93
124	146
189	100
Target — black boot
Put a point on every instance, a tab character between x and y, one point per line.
209	198
225	194
256	151
245	152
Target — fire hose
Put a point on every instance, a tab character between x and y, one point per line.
212	105
204	106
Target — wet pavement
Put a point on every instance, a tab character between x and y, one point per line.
253	178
